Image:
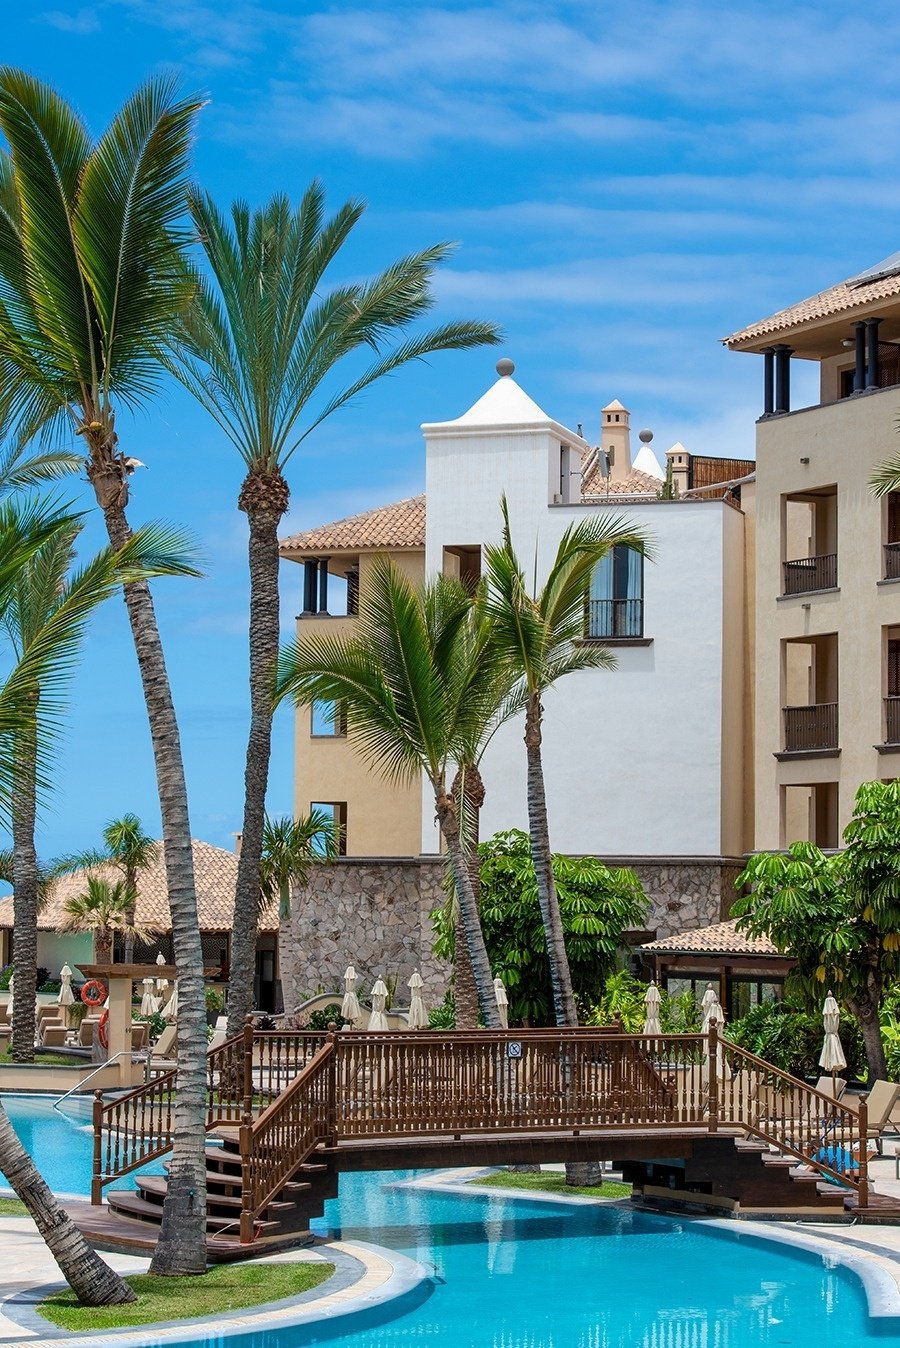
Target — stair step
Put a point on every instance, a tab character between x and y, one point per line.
297	1186
154	1186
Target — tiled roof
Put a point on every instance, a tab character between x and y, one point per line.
844	297
401	525
635	484
722	938
215	875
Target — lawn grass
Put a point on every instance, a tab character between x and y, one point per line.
44	1060
12	1207
553	1182
226	1287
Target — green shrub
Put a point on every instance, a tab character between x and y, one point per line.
321	1019
214	1000
6	974
51	985
443	1017
791	1038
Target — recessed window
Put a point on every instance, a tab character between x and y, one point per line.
337	811
328	719
616	599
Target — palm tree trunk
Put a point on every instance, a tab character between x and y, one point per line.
560	976
181	1248
468	907
92	1280
25	897
103	945
131	890
468	793
264	497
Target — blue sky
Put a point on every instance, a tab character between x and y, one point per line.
628	182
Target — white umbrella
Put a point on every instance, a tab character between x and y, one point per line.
832	1057
502	1001
350	1008
149	1003
378	1020
712	1012
161	983
710	997
9	1004
65	997
652	1001
418	1016
170	1010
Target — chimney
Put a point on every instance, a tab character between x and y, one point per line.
616	440
237	843
679	459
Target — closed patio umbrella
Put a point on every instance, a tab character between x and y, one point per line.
378	1020
149	1003
832	1057
65	997
652	1000
712	1011
502	1001
161	983
418	1016
350	1007
170	1010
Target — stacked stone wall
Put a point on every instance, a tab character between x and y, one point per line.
375	913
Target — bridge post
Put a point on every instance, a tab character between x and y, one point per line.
245	1136
97	1175
331	1088
248	1066
863	1173
713	1072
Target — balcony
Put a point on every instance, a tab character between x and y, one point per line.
808	574
615	620
892	561
892	720
811	730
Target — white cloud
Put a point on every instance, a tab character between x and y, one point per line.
82	22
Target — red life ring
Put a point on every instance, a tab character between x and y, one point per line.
93	993
103	1030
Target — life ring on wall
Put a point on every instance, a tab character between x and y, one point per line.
93	993
103	1030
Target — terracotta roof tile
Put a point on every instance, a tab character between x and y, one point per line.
844	297
722	938
215	875
635	484
401	525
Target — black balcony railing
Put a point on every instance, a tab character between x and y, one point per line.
892	561
813	727
611	618
810	573
892	720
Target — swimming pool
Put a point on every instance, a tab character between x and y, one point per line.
540	1274
61	1141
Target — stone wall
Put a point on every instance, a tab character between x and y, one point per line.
374	913
371	912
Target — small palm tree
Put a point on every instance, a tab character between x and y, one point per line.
262	338
541	635
290	847
103	909
127	848
93	277
414	685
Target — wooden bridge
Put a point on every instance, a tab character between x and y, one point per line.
686	1115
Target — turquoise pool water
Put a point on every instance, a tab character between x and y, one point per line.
61	1141
529	1274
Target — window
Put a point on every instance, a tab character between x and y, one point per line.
616	601
328	719
337	810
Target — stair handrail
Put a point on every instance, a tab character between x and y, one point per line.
275	1145
817	1129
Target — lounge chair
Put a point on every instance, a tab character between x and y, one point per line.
881	1100
138	1035
4	1039
164	1049
53	1034
833	1087
86	1031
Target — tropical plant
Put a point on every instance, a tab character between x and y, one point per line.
886	477
127	849
290	847
541	635
789	1035
598	904
837	915
103	909
92	279
412	683
623	997
263	336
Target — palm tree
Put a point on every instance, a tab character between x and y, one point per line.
542	638
103	909
262	338
290	847
92	278
413	684
127	848
886	477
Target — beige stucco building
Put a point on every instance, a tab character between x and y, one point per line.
827	656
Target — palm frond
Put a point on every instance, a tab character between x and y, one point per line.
886	477
21	470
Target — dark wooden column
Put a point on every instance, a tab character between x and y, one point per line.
872	353
323	584
782	378
769	381
859	373
310	569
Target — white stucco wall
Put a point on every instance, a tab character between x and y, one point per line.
633	758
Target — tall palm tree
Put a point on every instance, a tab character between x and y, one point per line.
92	278
263	337
129	850
103	909
290	847
22	533
413	684
541	634
49	600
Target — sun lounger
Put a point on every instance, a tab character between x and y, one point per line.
53	1034
165	1047
86	1031
881	1100
833	1087
138	1034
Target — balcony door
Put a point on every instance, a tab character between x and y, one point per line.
616	602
